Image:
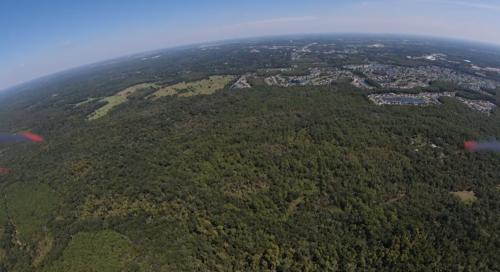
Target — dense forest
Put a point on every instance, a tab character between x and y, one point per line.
305	178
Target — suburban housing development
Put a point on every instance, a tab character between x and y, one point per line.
307	69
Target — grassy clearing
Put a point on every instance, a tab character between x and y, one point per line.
204	86
334	208
244	189
256	81
85	102
281	80
4	217
43	249
420	141
133	89
113	101
28	203
406	80
292	207
102	251
466	196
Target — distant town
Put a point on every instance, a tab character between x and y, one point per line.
386	76
389	77
375	75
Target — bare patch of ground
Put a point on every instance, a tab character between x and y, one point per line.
466	196
401	194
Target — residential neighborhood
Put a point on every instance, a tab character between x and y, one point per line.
316	76
425	99
407	77
483	106
309	68
387	76
421	99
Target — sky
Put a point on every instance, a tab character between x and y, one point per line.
38	38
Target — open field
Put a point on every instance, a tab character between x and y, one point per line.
101	251
28	203
43	249
113	101
204	86
334	208
133	89
85	102
256	81
466	196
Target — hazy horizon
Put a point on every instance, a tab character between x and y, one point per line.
57	36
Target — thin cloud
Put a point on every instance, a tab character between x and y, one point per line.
458	3
272	21
65	43
474	5
280	20
21	65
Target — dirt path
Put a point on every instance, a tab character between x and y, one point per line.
396	198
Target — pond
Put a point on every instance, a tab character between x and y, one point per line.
299	82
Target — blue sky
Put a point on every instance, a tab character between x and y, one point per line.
42	37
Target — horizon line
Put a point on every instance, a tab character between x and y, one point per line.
6	89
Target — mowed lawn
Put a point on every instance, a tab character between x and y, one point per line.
204	86
28	203
133	89
85	102
113	101
466	196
